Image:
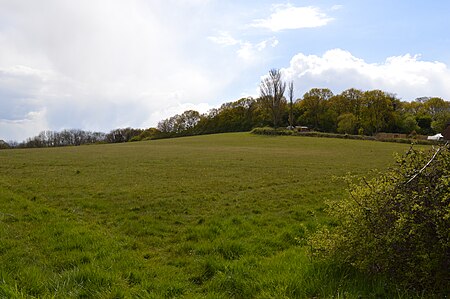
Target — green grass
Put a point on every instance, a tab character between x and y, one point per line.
219	216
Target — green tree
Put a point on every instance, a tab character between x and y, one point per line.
415	107
291	104
432	114
348	101
241	115
441	119
377	111
424	123
435	106
347	123
409	124
315	108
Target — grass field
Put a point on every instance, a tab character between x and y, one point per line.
219	216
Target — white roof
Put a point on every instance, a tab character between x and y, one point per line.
435	137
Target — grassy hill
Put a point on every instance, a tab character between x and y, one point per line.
214	216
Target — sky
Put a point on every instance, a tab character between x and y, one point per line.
103	64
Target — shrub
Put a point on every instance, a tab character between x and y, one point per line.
271	131
396	224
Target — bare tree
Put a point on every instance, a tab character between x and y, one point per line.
180	123
291	104
272	90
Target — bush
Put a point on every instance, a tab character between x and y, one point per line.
274	132
271	131
396	224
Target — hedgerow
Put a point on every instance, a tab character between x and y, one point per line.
396	224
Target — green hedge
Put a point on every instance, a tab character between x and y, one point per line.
284	132
396	224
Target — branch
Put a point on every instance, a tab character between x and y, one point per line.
423	168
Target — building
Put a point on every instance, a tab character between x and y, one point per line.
436	137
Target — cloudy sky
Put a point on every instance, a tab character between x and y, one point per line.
104	64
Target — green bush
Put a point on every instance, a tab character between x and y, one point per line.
271	131
396	224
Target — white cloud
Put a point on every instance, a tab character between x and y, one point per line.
224	38
247	51
164	113
273	42
99	65
13	130
291	17
337	7
406	75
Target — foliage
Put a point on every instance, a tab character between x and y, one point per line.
315	105
441	121
351	112
280	132
4	145
122	135
397	223
271	131
180	123
239	116
378	111
410	124
147	134
347	123
72	137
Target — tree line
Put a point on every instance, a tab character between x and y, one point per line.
352	111
75	137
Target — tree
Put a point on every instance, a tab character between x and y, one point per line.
315	108
377	111
4	145
291	104
424	123
189	119
435	106
348	101
64	138
272	90
347	123
122	135
415	107
441	119
409	124
180	123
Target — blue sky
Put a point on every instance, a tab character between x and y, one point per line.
104	64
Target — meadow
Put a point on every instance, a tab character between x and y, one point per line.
217	216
